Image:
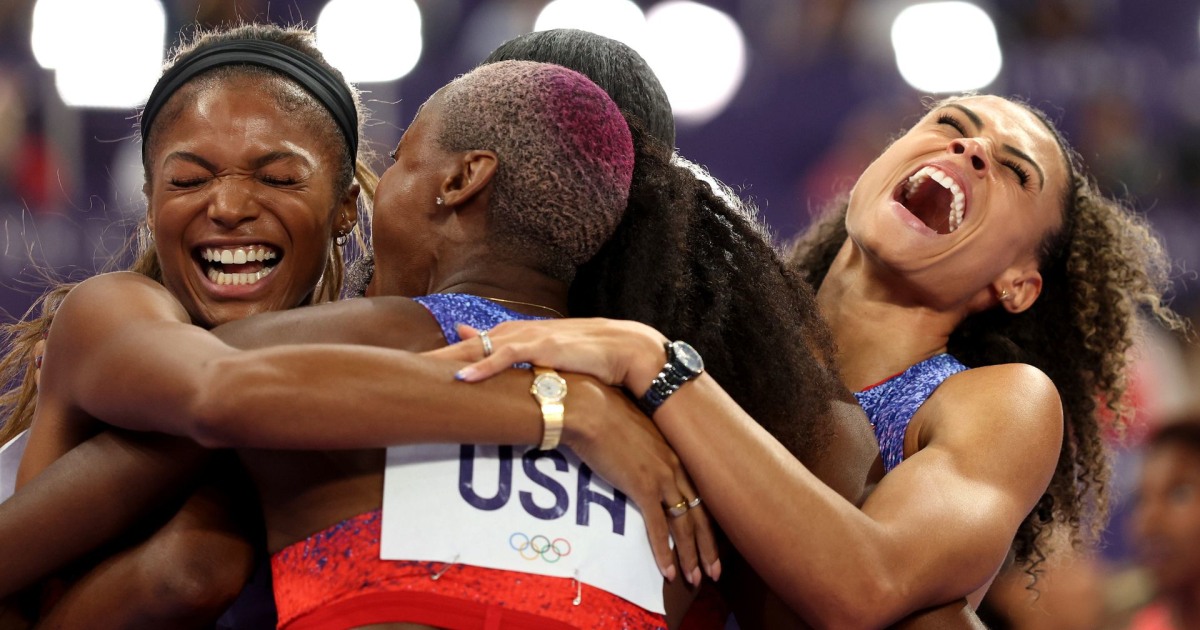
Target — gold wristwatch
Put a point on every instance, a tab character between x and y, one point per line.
549	390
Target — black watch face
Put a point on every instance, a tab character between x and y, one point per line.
688	357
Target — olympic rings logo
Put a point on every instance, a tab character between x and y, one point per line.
540	546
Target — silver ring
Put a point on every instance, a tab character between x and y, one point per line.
679	509
693	503
487	343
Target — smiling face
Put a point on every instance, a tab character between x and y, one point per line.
1166	518
242	199
969	192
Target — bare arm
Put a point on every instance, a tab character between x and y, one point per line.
934	530
183	576
379	321
143	367
87	498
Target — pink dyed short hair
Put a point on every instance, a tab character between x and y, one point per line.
565	158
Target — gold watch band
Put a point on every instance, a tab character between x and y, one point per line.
550	391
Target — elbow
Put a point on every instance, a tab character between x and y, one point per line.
200	588
192	593
872	600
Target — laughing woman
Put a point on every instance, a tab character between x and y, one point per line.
982	294
250	184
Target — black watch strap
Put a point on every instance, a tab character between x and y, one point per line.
683	364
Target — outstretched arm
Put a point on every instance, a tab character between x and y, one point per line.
934	530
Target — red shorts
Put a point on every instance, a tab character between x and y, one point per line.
335	579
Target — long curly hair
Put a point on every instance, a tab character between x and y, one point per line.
697	266
1100	269
17	367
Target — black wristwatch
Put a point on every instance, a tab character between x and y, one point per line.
683	365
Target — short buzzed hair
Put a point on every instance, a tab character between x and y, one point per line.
612	65
565	159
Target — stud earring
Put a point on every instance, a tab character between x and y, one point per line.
1004	295
439	201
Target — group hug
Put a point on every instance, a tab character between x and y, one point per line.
571	382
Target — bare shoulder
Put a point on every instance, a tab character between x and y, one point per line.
121	293
104	304
1011	404
1007	389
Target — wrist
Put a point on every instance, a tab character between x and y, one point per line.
585	396
550	389
683	364
647	353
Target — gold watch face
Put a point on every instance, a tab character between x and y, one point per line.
549	387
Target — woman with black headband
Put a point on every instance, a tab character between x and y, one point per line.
250	147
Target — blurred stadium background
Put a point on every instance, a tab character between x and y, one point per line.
784	100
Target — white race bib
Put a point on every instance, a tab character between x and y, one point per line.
520	509
10	460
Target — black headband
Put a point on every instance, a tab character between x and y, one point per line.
326	87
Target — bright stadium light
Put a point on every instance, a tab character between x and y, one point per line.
52	25
621	20
104	54
699	54
371	40
919	36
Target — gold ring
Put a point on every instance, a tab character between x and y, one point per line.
679	509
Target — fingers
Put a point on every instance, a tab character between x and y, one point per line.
500	360
660	543
706	539
683	531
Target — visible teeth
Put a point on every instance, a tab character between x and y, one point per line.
237	256
234	279
959	202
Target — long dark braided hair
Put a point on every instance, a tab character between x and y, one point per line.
697	266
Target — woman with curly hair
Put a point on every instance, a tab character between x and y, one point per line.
982	295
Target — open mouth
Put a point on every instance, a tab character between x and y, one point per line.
247	264
933	197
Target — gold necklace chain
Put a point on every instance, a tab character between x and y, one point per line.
495	299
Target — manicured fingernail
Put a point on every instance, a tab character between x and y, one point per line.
668	572
714	570
695	577
466	374
38	361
